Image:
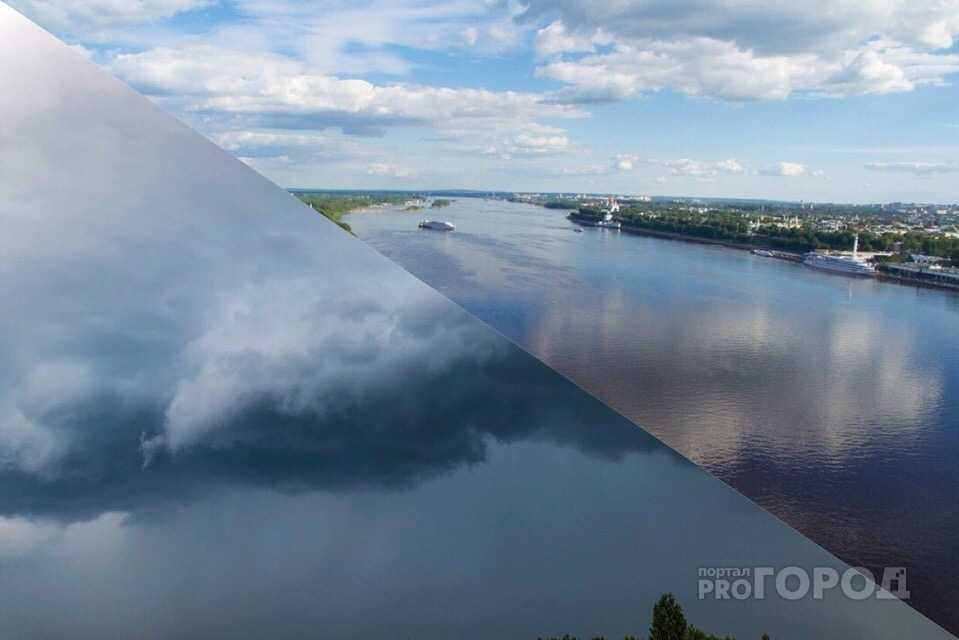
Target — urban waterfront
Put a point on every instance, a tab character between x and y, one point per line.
832	402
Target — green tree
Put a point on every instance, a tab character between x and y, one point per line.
669	623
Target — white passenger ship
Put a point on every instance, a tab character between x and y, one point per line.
436	225
838	264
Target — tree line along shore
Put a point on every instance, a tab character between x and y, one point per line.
783	230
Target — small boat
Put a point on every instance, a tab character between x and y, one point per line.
763	253
436	225
577	230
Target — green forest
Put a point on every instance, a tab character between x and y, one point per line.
335	206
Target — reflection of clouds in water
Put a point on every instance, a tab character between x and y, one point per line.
172	307
873	380
728	380
488	550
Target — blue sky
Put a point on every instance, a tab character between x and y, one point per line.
826	100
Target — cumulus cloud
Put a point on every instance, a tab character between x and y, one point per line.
555	39
867	73
625	162
292	146
784	169
916	168
730	165
540	144
284	93
698	67
391	170
746	50
537	142
698	170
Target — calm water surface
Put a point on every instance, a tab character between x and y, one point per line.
832	402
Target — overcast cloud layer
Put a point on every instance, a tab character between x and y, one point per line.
551	94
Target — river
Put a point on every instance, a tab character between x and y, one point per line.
832	402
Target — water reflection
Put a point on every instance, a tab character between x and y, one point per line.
718	383
830	401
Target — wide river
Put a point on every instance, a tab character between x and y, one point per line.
832	402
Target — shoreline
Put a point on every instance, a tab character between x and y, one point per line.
669	235
780	255
729	244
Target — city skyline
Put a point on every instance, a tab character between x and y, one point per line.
828	101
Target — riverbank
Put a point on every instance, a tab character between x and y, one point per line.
334	207
903	277
667	235
882	276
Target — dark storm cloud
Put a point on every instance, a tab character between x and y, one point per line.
173	323
416	427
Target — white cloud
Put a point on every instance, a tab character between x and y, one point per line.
699	67
86	15
250	145
820	26
523	144
554	39
784	169
391	170
586	170
917	168
702	171
470	36
540	144
687	167
283	93
747	50
625	162
502	34
730	165
867	73
83	51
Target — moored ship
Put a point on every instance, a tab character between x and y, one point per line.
607	222
839	264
